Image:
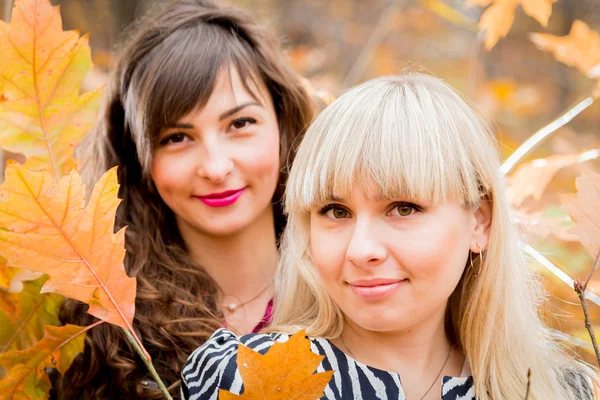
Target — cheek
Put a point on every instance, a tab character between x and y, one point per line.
328	251
262	158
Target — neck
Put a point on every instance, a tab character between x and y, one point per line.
242	264
413	351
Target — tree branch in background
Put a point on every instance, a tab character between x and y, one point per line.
580	290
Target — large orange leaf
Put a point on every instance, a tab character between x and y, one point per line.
41	70
579	49
25	369
23	315
285	372
497	20
50	231
584	209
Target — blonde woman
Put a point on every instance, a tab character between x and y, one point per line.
401	261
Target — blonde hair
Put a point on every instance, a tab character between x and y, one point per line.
416	138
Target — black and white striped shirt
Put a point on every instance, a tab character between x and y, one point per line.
213	366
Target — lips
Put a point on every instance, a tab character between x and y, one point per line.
221	199
376	288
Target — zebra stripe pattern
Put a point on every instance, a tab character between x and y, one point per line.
213	367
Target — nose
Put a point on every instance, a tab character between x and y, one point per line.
215	164
364	248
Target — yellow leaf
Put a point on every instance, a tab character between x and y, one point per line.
579	49
584	209
284	372
25	369
50	231
42	67
497	20
23	315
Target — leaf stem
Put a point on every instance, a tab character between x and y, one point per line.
528	384
543	133
146	359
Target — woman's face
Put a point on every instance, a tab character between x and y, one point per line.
217	168
390	265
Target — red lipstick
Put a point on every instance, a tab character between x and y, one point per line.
222	199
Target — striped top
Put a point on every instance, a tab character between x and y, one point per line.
213	367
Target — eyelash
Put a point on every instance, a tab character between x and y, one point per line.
332	206
231	125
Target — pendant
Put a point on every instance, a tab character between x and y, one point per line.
231	307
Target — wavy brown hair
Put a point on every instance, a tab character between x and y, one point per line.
167	69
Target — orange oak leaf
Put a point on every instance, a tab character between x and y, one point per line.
579	49
284	372
497	20
23	315
41	70
50	231
584	208
6	275
25	376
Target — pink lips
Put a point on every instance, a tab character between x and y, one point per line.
375	288
222	199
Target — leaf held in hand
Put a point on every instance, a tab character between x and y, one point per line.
50	231
284	372
25	376
497	20
41	113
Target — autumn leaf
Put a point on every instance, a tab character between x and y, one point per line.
50	231
584	209
284	372
25	369
6	274
532	178
23	315
579	49
41	113
497	20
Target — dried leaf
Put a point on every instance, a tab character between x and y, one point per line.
50	231
532	178
41	113
284	372
25	369
6	274
497	20
579	49
584	209
23	315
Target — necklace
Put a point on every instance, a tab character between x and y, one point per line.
434	380
232	307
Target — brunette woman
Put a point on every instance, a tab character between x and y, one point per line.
201	116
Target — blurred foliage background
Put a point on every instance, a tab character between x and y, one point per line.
339	43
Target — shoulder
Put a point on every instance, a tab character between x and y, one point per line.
213	365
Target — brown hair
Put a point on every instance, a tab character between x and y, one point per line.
166	70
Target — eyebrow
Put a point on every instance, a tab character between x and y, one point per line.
228	113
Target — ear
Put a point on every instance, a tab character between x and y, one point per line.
481	230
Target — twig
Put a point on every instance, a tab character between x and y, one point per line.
543	133
376	37
580	290
592	271
148	363
528	383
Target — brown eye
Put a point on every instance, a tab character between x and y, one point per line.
405	211
174	138
242	123
339	213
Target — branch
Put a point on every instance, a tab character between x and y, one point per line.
528	383
580	290
543	133
148	363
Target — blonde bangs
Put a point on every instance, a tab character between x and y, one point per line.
398	138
